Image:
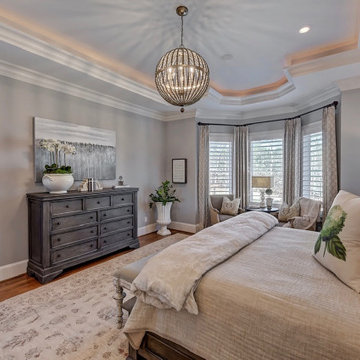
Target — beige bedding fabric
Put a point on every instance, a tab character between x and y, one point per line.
169	279
272	300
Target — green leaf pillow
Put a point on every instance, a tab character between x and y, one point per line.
338	245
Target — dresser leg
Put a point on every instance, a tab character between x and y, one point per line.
119	298
41	276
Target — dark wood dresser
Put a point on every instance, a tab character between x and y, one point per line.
72	228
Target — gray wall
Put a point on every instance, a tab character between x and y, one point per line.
140	153
181	142
350	141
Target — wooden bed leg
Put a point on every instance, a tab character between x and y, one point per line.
119	298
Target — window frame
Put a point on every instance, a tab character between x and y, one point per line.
223	137
276	134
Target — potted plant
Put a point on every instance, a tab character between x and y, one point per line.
163	197
58	176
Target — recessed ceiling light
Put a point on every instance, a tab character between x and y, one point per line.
304	29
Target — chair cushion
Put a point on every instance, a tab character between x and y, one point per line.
230	207
130	271
287	212
225	217
338	245
217	200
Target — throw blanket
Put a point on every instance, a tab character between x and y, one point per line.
170	278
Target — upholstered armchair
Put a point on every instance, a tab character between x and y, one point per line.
215	202
309	214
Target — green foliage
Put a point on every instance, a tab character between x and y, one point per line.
333	225
164	194
54	169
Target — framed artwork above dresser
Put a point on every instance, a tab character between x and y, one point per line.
72	228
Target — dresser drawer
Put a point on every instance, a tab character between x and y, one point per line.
122	199
70	221
116	225
73	251
72	236
98	202
111	240
112	213
66	206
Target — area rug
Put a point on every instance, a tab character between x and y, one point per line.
72	318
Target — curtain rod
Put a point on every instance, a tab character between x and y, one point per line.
335	103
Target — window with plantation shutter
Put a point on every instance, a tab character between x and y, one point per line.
221	164
266	159
312	179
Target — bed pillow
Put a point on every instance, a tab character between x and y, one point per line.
338	245
230	207
287	212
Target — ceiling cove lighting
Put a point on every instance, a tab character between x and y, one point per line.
182	75
304	30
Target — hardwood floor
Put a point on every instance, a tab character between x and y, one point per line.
24	283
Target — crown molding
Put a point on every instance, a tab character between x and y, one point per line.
39	47
173	116
278	111
347	84
38	79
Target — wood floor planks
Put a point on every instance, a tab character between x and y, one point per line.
23	283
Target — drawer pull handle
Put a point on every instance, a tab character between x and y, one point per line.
104	241
122	199
98	202
58	255
91	217
67	206
91	245
58	223
128	234
58	239
91	231
128	222
104	215
104	228
128	210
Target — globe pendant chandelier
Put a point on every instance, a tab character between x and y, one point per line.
182	75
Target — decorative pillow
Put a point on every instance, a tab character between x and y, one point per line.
338	245
230	207
287	212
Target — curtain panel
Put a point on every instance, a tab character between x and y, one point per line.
241	160
292	160
203	177
329	158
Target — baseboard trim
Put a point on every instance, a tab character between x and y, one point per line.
11	270
147	229
191	228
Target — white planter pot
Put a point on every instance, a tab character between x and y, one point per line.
163	213
57	183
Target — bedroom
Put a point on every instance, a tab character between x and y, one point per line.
92	64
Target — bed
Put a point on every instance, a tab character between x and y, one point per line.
269	300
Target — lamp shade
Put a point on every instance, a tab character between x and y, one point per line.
262	182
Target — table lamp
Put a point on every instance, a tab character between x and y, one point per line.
262	183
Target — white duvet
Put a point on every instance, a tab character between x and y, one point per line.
170	278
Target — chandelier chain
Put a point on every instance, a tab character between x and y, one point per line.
182	32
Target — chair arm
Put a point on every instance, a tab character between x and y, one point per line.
302	222
214	215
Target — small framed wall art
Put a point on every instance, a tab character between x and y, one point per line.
179	171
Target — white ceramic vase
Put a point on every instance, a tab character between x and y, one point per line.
58	183
163	213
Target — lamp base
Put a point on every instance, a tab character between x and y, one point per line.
269	202
262	199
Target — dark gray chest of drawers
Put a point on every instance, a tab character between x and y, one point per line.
72	228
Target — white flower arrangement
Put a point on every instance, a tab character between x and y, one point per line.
58	151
